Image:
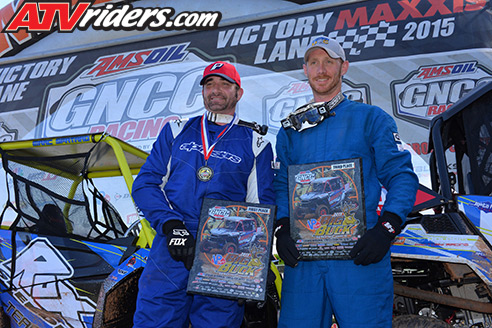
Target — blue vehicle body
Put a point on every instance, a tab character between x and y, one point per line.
67	259
442	260
56	282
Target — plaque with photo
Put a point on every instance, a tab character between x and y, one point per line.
327	213
233	247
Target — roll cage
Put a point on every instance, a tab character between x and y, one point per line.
52	185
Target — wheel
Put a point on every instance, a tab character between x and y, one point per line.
230	248
4	318
418	321
119	303
322	210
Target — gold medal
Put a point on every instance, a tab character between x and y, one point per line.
205	173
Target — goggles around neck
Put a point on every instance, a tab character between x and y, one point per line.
312	114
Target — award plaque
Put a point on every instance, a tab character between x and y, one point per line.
233	247
327	214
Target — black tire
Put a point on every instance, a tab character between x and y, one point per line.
120	303
4	318
418	321
322	210
229	247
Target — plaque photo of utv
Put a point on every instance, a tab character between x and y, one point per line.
233	235
326	196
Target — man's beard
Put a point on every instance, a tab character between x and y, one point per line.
331	88
226	106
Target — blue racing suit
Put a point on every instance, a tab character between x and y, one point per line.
359	296
167	188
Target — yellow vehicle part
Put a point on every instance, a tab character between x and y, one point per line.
114	158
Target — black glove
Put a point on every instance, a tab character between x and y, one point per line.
286	246
180	242
376	242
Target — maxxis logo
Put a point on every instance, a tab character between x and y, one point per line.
48	16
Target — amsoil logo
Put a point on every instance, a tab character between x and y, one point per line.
446	70
117	63
35	16
431	90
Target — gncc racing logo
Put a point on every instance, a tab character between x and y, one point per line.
296	94
126	94
305	177
218	212
431	90
34	16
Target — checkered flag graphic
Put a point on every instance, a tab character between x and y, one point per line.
363	37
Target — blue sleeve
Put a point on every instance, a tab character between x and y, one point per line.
281	183
264	173
148	187
394	167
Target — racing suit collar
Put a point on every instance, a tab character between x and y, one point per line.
219	118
